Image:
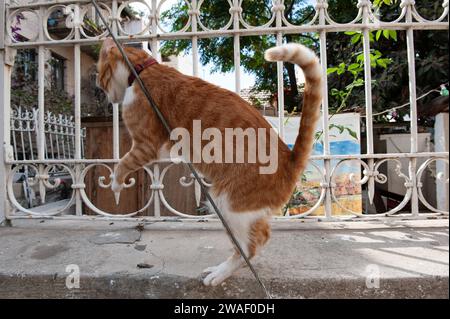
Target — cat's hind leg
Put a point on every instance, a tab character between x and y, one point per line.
252	231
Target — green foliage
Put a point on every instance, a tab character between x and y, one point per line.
380	3
132	12
388	60
345	57
218	52
26	96
356	69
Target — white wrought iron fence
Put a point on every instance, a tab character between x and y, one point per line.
59	135
408	20
59	144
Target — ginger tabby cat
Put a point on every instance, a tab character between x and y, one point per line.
246	197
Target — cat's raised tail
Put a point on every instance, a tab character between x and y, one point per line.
312	98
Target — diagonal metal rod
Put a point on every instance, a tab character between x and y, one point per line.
189	164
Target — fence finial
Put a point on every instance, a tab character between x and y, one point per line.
278	6
321	4
363	3
406	3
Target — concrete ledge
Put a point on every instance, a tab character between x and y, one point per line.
302	260
140	287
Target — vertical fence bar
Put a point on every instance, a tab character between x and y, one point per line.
77	154
236	46
116	132
77	73
77	107
41	103
61	134
114	18
154	30
368	99
155	52
6	62
2	25
5	84
194	17
115	110
30	119
22	127
50	135
280	66
40	125
156	199
321	6
413	108
116	106
13	135
56	133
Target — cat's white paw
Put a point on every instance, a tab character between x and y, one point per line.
209	270
220	273
216	277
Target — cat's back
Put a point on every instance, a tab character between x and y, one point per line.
206	101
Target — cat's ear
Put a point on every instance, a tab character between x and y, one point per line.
107	45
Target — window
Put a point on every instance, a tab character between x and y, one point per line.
57	64
26	65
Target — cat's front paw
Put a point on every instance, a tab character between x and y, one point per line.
217	274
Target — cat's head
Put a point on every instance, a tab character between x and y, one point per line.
112	70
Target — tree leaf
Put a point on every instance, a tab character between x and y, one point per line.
377	37
355	38
393	34
382	63
331	70
353	66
